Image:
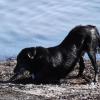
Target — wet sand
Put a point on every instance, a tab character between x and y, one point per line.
70	88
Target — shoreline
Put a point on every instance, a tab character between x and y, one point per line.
7	58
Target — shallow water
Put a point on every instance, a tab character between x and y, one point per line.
25	23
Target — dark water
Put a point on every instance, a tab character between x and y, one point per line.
25	23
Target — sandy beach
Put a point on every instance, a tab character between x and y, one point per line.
70	88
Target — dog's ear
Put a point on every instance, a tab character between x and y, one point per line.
31	54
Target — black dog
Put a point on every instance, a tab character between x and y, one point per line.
51	64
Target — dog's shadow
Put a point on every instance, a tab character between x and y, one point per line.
68	80
74	80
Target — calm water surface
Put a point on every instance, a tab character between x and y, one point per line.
26	23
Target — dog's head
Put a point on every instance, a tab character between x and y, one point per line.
25	59
25	64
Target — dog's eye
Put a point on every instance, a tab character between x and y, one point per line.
30	56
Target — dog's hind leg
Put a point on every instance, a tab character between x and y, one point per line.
92	56
81	66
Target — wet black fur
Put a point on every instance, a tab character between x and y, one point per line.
53	63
